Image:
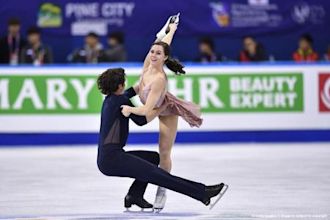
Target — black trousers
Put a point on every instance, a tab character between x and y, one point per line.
143	167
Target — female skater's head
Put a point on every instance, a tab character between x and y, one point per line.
160	55
112	81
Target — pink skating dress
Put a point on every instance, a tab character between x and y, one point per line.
189	111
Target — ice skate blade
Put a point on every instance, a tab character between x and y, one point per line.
145	210
222	192
159	203
176	21
157	210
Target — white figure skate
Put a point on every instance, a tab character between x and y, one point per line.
165	29
160	199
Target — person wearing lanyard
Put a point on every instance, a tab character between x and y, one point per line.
11	45
36	52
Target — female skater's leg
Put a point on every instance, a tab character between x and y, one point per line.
168	126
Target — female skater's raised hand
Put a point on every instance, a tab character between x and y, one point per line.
165	29
173	27
169	36
164	35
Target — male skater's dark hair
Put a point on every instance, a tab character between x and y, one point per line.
110	79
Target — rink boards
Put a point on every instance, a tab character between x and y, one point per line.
265	102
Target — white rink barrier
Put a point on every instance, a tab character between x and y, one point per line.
253	99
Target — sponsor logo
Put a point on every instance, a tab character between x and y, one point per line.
49	15
96	16
220	13
324	92
252	13
258	2
267	92
303	13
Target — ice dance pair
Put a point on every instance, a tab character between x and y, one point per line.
113	160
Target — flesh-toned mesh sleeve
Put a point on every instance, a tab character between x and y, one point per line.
113	136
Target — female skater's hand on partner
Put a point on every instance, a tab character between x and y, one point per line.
125	110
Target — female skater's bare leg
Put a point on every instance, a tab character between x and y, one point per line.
168	126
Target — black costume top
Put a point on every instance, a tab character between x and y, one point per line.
114	126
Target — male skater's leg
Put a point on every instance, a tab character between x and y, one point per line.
122	164
145	171
138	187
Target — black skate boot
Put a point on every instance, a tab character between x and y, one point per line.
138	201
212	191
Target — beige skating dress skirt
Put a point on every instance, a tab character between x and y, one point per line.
189	111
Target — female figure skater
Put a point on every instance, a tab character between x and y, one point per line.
113	160
152	92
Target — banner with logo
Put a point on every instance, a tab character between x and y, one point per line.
324	92
256	97
71	18
51	94
141	20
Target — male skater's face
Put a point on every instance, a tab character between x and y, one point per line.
121	88
117	77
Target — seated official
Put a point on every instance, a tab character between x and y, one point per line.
92	52
36	52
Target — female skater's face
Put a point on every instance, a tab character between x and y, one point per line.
157	56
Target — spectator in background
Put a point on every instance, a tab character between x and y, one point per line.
12	44
36	52
116	51
92	52
207	51
305	50
252	50
327	55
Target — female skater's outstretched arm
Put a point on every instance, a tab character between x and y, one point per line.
158	84
166	38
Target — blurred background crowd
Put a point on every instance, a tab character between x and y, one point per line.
17	47
210	31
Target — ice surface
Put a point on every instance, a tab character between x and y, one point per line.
266	181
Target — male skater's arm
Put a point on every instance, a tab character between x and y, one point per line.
131	92
142	120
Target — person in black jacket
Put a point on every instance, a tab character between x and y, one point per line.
113	160
12	44
36	52
252	51
91	52
207	52
116	51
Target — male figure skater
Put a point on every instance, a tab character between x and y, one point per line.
112	160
